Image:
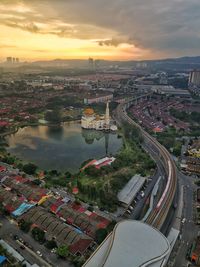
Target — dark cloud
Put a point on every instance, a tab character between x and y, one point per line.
171	26
29	26
112	42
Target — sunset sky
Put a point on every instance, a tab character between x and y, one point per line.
109	29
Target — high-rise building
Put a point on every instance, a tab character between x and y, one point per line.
97	64
9	59
91	63
194	77
17	60
13	60
163	79
194	82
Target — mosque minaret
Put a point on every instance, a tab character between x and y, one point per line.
90	120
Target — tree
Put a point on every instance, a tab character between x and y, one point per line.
9	160
25	226
53	116
92	171
62	251
37	181
30	168
38	234
101	235
51	244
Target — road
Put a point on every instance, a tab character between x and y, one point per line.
8	230
189	228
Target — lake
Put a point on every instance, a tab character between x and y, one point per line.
63	148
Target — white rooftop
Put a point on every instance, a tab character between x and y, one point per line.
131	244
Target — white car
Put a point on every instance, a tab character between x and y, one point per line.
142	194
183	220
39	253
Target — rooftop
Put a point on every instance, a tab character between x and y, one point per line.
130	245
128	193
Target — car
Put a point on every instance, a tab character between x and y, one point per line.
39	253
16	237
142	194
183	220
130	207
22	247
128	211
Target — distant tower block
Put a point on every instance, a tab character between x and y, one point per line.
9	59
91	63
107	116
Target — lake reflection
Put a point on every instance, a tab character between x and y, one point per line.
63	148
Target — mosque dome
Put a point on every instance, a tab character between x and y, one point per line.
89	112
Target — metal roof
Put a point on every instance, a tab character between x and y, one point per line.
128	193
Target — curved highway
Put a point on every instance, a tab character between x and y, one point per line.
158	215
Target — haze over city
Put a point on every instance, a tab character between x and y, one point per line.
100	133
115	29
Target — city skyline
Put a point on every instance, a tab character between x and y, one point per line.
114	30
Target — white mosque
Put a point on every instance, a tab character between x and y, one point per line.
90	120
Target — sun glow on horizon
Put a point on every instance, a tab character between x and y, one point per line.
24	34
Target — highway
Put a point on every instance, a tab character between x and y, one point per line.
159	214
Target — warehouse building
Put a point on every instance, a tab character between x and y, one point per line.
130	190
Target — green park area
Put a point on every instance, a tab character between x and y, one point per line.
96	186
100	186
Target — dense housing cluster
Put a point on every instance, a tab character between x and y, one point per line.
67	222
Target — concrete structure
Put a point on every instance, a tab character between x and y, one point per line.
169	90
99	99
131	244
130	190
90	120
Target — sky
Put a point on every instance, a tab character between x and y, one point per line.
102	29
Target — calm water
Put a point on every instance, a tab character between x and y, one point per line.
63	148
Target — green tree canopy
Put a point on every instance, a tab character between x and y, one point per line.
62	251
38	234
25	226
101	235
30	168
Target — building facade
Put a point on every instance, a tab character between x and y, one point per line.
90	120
